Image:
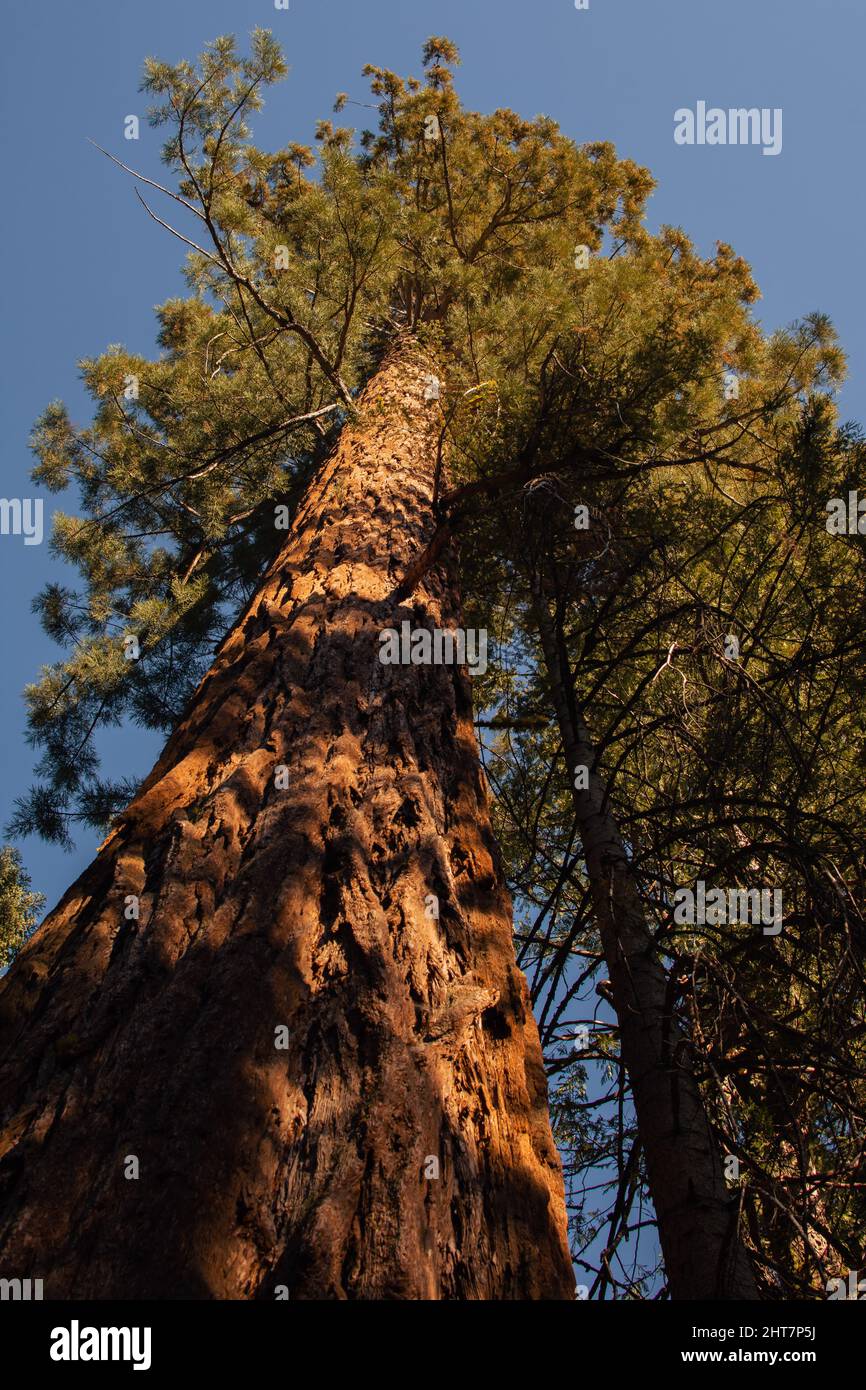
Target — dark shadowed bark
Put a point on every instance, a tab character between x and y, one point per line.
698	1216
308	907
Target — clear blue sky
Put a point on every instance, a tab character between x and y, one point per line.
83	265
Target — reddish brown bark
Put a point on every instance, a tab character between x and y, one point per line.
408	1037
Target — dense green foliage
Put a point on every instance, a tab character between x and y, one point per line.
19	906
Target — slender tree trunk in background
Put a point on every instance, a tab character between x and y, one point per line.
697	1215
409	1038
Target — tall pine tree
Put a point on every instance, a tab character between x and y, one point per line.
274	1038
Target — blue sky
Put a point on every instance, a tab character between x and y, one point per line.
84	266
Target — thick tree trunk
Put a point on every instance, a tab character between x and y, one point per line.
307	909
698	1217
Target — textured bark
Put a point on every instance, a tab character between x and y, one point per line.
409	1037
698	1217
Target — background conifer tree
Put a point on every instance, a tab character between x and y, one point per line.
19	905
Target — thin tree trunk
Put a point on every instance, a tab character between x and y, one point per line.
698	1218
410	1039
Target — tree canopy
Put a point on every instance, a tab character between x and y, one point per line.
19	905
